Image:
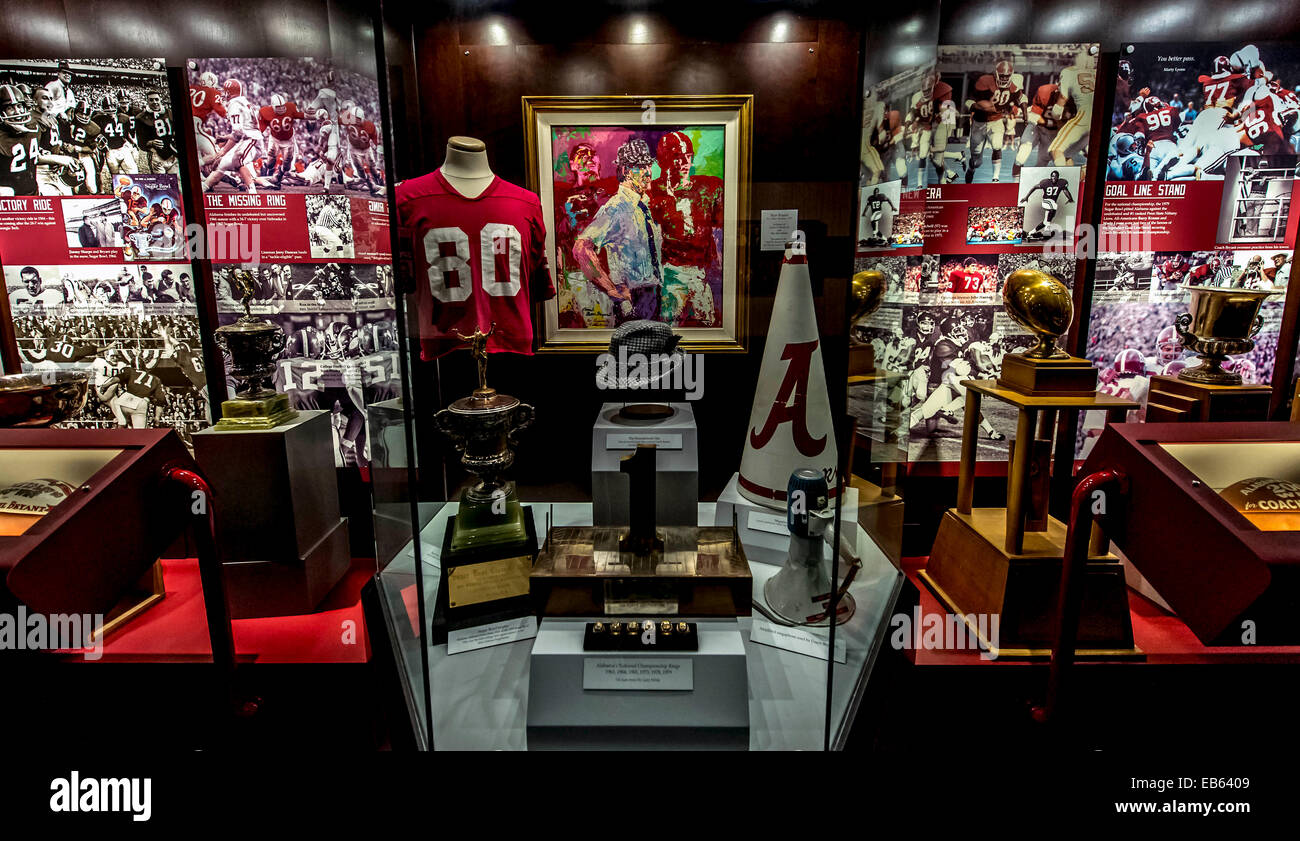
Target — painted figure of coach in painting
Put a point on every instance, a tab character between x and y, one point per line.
624	233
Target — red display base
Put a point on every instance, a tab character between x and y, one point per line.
1162	637
175	630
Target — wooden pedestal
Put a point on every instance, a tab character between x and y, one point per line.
1173	400
1069	376
1006	562
862	359
880	512
972	573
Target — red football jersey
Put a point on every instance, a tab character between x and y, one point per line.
964	282
281	125
1161	123
1003	100
1223	89
205	100
363	135
1201	273
477	261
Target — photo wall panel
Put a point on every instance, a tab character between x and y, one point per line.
1200	183
92	238
290	148
998	136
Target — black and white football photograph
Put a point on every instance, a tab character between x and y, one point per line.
1012	106
1050	198
145	363
305	287
329	227
50	289
285	125
340	362
91	119
93	223
949	344
877	208
1060	266
361	286
1123	276
893	268
922	277
878	403
1256	203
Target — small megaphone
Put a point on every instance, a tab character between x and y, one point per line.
801	592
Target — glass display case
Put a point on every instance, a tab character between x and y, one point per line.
630	495
617	620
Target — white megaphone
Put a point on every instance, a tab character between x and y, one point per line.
790	424
801	592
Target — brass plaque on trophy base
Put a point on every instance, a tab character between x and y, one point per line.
700	571
482	585
488	581
1067	376
261	413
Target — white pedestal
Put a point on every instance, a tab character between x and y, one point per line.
677	471
712	713
762	529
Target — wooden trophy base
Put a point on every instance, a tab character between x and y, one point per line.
862	359
1172	400
972	574
1067	376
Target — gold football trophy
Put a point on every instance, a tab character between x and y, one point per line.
483	428
1043	305
868	290
1006	562
253	344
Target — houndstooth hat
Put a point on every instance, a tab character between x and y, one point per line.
649	338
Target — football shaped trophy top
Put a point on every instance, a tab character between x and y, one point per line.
1042	304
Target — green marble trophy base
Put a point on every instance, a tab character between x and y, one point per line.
489	522
259	413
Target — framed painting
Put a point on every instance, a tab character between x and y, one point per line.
646	200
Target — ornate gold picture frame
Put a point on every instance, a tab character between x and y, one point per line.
646	202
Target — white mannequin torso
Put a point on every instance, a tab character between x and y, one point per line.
466	166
